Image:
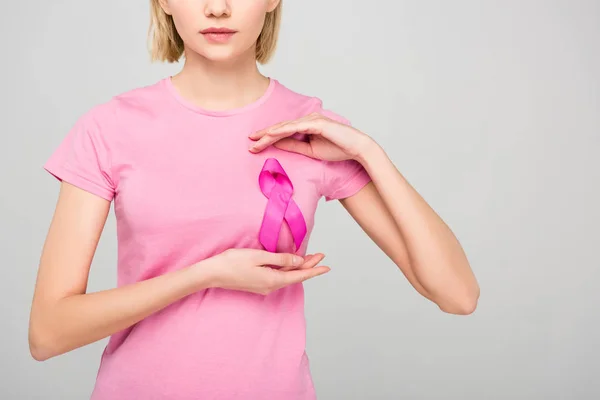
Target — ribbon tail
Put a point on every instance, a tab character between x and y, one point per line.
296	223
272	220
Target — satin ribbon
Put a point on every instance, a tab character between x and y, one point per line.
277	187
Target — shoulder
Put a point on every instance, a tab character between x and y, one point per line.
147	96
304	103
106	117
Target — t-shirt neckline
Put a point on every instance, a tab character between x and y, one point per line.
168	84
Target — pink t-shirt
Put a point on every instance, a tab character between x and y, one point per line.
184	188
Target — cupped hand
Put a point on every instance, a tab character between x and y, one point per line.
261	271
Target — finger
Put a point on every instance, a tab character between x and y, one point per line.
317	258
301	275
280	259
261	132
268	139
307	259
310	261
296	146
313	126
308	125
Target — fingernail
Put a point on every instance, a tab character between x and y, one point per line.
298	260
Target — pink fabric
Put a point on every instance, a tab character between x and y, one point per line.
184	188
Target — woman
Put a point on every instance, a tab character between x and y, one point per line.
215	175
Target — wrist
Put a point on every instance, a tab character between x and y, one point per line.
369	150
203	275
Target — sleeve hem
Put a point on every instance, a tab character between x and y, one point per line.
61	173
351	186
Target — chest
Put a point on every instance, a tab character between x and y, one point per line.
206	183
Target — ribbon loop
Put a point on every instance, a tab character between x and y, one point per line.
277	187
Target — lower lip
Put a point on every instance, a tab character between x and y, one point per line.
218	37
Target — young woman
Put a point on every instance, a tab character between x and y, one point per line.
215	174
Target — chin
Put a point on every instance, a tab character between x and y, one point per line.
221	54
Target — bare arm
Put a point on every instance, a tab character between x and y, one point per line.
369	211
405	227
389	210
63	317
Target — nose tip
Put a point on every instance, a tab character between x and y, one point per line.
217	8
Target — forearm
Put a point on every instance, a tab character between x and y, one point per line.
436	257
81	319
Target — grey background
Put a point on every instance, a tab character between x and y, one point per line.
489	108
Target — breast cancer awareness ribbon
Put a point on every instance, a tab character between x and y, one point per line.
277	187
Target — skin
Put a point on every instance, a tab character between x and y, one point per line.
218	77
388	209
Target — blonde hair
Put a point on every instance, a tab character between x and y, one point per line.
167	45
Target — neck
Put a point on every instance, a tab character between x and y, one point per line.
220	85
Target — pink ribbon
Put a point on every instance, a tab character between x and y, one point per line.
277	187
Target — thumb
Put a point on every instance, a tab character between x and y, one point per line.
279	259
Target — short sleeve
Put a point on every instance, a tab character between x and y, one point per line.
82	158
341	179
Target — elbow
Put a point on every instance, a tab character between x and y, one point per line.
41	342
38	350
465	304
465	308
41	349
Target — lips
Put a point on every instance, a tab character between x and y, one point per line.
217	30
217	35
